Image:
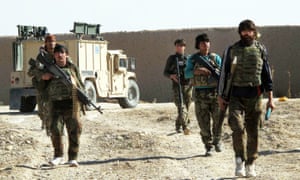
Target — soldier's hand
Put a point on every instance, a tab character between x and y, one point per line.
202	71
173	77
47	76
270	104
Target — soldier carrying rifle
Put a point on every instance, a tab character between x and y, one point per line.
203	68
64	105
182	89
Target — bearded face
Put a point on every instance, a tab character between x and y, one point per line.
247	37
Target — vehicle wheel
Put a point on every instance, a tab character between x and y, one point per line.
28	103
133	96
91	93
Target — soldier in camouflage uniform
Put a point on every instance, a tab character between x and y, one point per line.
206	104
36	70
170	72
250	78
65	108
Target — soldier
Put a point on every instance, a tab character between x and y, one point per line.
206	104
36	72
170	72
64	106
245	76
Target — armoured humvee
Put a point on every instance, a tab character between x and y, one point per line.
106	73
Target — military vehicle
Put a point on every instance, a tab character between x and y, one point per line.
107	74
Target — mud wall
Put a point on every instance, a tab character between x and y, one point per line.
151	49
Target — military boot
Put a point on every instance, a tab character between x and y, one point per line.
209	149
58	146
218	147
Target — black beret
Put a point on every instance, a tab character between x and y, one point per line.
200	38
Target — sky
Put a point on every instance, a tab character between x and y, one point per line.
138	15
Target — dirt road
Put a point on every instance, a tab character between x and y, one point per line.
141	143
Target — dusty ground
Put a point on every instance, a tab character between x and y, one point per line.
141	143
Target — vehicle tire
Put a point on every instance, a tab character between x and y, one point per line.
133	96
91	93
28	103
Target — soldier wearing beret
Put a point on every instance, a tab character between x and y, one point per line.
206	104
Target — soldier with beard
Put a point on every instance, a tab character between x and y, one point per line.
251	77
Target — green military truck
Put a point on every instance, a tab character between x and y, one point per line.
106	73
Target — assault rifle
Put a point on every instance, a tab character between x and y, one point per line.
215	71
58	73
227	90
179	89
226	93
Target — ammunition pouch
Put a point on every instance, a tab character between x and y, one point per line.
58	91
206	81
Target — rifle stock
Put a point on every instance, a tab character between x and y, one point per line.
58	73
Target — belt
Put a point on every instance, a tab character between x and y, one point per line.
247	92
205	90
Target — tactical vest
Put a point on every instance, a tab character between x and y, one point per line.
206	81
57	90
249	65
182	65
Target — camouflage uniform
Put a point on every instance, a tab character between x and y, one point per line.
182	119
36	70
65	109
251	77
206	104
187	99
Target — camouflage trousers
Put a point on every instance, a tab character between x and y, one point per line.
62	114
44	111
207	109
244	118
182	119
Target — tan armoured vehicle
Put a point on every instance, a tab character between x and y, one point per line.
106	73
